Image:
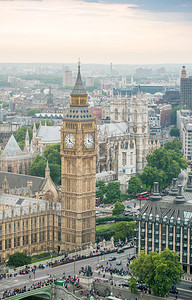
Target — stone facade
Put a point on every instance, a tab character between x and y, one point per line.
14	160
78	171
28	225
57	224
29	186
124	143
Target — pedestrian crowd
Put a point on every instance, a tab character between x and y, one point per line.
17	291
109	269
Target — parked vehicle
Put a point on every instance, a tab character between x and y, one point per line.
174	290
120	250
112	258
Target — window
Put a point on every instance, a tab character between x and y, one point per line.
18	226
131	158
26	224
124	158
116	114
1	230
9	228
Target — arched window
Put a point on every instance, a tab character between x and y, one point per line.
116	114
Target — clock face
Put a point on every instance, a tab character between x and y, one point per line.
69	140
88	140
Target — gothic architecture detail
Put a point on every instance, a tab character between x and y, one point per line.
14	160
78	171
123	144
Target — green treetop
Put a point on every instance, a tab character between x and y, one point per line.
158	271
118	209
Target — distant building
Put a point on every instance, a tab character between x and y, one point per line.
6	130
67	78
186	88
96	112
50	98
165	114
183	116
90	81
144	72
171	97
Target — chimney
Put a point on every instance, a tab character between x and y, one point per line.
156	195
179	198
173	190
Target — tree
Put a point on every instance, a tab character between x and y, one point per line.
165	160
100	189
134	186
52	154
21	134
173	113
118	209
158	271
124	230
18	259
33	111
55	173
113	191
174	132
133	285
38	166
151	174
173	145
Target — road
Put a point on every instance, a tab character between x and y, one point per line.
69	269
184	288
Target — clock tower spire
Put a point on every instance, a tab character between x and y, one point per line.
78	171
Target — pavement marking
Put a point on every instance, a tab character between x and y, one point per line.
39	278
184	290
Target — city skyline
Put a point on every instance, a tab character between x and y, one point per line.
122	32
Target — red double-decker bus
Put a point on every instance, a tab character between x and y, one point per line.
143	196
97	201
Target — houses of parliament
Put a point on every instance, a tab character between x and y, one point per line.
45	222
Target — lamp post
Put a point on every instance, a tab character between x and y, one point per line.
74	262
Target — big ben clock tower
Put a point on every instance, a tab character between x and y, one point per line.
78	171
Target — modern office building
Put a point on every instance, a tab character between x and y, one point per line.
166	222
67	78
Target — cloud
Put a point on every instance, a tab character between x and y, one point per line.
152	5
97	31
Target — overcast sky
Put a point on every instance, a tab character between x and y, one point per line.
97	31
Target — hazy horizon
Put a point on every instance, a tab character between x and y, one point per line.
131	32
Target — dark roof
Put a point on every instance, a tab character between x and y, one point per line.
20	180
79	88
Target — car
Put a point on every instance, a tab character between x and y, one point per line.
173	290
131	257
141	286
125	284
118	263
120	250
112	258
